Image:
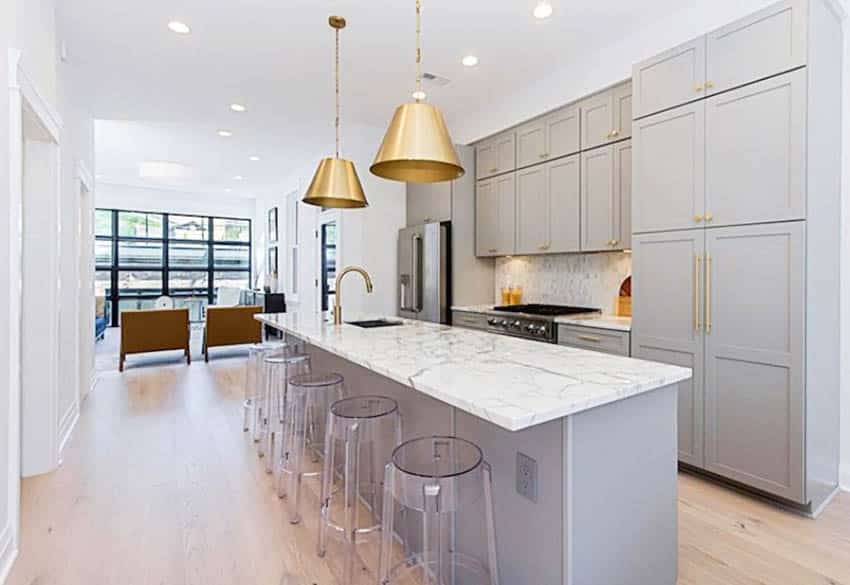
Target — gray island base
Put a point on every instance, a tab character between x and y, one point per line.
604	508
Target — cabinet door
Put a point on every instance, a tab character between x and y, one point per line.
485	160
506	228
505	153
756	152
765	43
597	120
667	293
532	211
623	193
670	79
486	218
622	111
428	202
599	206
669	170
564	186
530	144
754	386
562	133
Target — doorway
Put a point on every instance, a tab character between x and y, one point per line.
328	239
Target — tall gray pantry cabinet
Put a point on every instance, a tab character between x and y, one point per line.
736	154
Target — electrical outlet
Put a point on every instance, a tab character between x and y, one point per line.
526	476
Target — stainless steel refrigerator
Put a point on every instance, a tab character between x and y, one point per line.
423	272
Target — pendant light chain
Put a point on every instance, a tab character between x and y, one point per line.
418	49
337	93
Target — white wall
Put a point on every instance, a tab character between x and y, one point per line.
172	201
845	267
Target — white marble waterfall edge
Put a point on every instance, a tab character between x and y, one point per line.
513	383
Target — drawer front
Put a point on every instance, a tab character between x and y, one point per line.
604	340
469	320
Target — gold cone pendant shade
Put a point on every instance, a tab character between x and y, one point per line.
417	147
335	183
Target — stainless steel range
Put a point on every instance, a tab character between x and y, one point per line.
532	321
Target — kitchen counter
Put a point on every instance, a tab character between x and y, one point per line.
600	431
600	321
513	383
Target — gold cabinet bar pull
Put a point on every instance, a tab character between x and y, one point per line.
708	293
589	338
697	262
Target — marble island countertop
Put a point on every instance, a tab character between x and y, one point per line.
513	383
601	321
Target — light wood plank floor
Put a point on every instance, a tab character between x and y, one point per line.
160	487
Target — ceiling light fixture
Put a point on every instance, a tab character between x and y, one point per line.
542	10
181	28
228	190
335	183
419	95
417	147
238	178
470	61
238	107
254	158
225	133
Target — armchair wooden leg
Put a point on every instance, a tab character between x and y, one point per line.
121	363
188	353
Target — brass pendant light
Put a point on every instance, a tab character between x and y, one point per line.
417	147
335	183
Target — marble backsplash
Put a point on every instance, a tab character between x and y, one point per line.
588	280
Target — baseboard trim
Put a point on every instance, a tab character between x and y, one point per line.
8	553
67	424
844	477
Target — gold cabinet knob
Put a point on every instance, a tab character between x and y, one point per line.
493	250
494	169
698	88
697	218
615	133
709	217
615	242
709	84
543	247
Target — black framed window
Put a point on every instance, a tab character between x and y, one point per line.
142	255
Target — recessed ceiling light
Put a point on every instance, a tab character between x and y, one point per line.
225	133
181	28
254	158
470	61
238	178
543	10
238	107
419	95
228	190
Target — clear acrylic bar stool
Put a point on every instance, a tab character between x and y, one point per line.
255	385
367	428
308	400
446	482
278	369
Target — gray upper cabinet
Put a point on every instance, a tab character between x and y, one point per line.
564	186
622	111
530	144
669	170
768	42
667	322
495	156
562	133
754	384
495	215
532	211
756	152
623	189
428	202
599	205
597	120
670	79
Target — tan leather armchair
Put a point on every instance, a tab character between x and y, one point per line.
154	330
231	326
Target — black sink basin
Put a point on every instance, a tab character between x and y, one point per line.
372	323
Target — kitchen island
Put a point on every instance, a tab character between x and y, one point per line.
601	430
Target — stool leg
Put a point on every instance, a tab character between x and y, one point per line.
387	513
298	435
352	482
432	541
272	419
246	409
491	525
327	486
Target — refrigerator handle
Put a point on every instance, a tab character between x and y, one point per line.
417	276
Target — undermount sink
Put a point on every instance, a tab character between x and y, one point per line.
373	323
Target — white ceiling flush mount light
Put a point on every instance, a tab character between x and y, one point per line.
181	28
225	133
238	107
542	10
470	61
238	178
254	158
228	190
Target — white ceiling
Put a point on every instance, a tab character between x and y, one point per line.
166	95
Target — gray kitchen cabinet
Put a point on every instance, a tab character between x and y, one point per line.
495	156
754	344
428	202
673	78
756	152
623	188
768	42
599	207
469	320
667	320
495	215
562	132
622	99
564	218
597	120
595	339
532	211
530	144
668	166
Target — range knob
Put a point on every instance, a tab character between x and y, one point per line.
516	324
503	323
492	321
